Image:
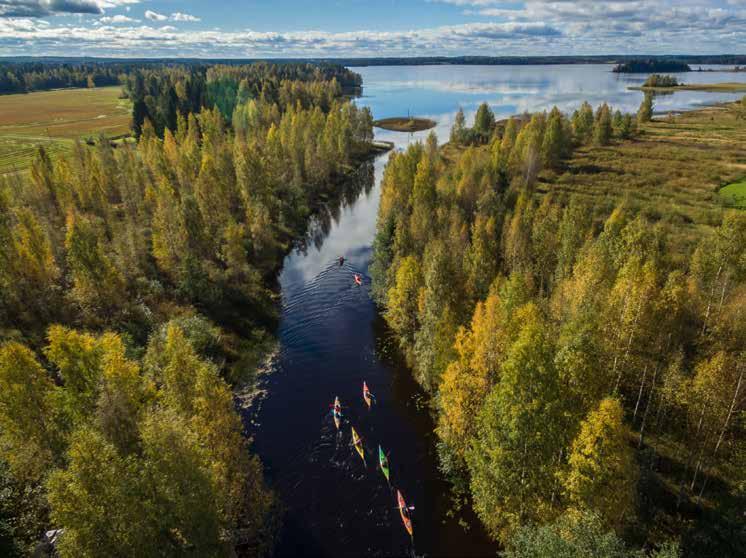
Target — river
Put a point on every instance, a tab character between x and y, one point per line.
332	336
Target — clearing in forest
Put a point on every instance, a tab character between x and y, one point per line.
56	119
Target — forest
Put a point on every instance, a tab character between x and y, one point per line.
585	366
137	288
41	75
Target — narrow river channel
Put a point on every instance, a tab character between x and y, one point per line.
331	339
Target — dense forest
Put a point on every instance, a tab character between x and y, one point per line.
160	95
145	77
586	368
137	290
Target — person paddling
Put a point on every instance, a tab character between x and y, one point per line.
358	279
341	260
367	395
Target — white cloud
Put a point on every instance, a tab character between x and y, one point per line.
119	18
179	16
155	16
532	28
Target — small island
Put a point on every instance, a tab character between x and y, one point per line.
405	124
650	66
726	87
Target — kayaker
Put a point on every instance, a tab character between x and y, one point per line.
341	260
358	279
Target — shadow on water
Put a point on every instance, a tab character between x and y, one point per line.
332	338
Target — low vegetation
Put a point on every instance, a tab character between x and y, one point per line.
727	87
570	290
734	194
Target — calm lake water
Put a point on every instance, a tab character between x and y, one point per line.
332	336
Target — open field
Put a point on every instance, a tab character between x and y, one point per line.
405	124
672	171
55	119
735	194
732	87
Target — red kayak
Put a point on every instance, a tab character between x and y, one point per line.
404	511
358	279
366	394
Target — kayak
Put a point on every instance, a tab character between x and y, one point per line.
383	462
404	511
366	394
358	443
336	412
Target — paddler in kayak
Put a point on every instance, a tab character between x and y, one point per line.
357	443
404	511
367	395
341	260
358	279
383	462
336	412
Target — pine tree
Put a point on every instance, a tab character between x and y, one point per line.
603	129
645	112
458	130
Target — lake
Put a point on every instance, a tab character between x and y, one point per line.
332	337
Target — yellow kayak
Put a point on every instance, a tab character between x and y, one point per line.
357	441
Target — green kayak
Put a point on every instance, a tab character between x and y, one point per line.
384	462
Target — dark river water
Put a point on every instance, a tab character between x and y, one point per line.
332	337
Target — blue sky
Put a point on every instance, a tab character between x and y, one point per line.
345	28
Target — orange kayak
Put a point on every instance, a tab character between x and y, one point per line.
366	394
404	511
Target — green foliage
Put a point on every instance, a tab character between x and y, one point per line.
610	332
484	121
645	112
521	431
105	251
658	80
577	535
602	129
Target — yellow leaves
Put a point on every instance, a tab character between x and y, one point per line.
602	472
402	299
26	393
35	260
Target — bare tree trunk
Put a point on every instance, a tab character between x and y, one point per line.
709	301
639	394
627	349
690	458
725	426
647	407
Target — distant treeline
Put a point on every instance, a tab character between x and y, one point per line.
38	76
651	65
735	59
161	94
44	74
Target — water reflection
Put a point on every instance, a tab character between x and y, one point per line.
438	91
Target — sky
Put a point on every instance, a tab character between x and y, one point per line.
361	28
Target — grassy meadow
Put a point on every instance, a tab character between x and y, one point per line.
672	171
56	119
